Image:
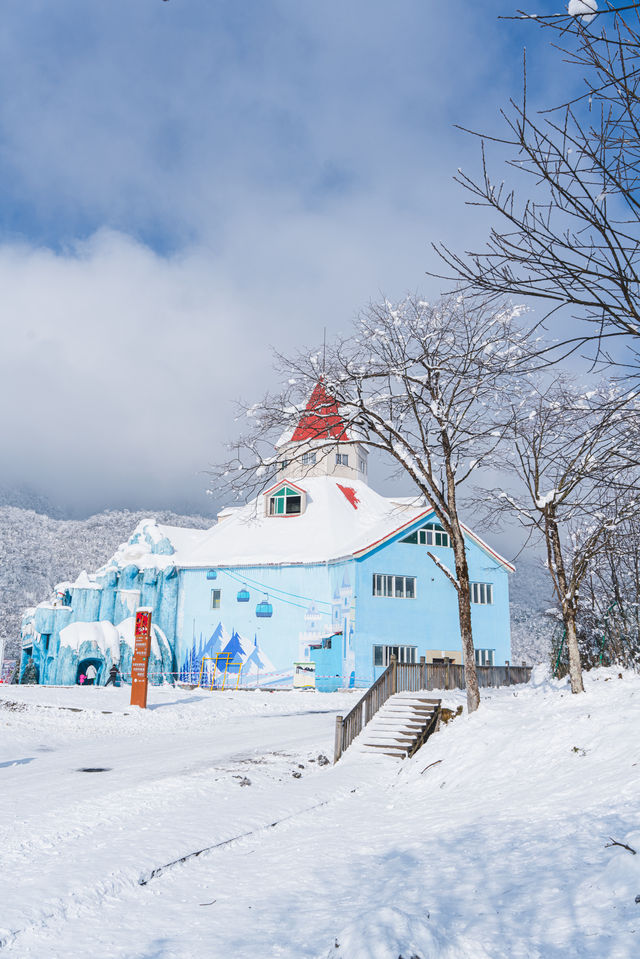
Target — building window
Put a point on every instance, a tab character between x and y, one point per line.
215	598
482	594
485	657
342	459
283	465
308	459
286	502
400	587
404	654
430	535
362	465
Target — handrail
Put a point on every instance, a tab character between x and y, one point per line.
351	725
415	677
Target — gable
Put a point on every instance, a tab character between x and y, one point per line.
428	518
285	499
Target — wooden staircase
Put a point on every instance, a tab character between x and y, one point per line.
394	717
401	726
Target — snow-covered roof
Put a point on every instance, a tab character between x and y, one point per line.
341	519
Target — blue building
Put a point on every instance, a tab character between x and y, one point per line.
319	568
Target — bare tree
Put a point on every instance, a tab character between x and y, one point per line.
423	384
609	620
571	234
574	455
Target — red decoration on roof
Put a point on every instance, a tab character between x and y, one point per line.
321	419
350	494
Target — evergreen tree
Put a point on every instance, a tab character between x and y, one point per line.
30	674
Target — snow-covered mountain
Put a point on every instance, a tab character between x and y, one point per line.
37	551
26	498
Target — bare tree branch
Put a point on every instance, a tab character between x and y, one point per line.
571	238
427	385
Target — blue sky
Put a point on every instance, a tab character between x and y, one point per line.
186	185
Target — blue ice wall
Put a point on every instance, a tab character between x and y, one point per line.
116	596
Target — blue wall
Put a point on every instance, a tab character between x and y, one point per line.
300	602
430	621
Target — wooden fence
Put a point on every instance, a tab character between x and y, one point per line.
450	676
414	677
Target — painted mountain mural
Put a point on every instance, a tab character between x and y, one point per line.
232	651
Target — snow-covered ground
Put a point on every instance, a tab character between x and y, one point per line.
490	843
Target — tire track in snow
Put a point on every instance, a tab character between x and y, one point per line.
81	900
24	840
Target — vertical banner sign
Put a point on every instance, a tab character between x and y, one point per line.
140	663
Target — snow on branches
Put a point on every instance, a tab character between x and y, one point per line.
574	459
427	386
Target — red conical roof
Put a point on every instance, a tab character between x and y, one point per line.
321	419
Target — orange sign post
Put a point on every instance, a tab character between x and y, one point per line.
140	663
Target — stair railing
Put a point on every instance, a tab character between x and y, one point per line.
351	725
414	677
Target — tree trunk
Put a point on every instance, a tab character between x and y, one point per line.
567	603
575	667
464	589
464	616
468	650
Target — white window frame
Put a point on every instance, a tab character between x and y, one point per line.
392	586
216	598
273	499
362	465
482	594
342	459
309	459
433	535
405	654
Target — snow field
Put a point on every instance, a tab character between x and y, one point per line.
489	843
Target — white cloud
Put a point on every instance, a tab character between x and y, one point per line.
294	159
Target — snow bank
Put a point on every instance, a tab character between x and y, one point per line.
386	931
153	546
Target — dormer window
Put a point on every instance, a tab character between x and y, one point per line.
342	459
285	502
